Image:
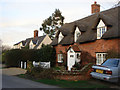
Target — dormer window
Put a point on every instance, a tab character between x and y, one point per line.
101	29
60	37
77	34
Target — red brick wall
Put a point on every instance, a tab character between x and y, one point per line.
60	48
100	46
72	77
92	47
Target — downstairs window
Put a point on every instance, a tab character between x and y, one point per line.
100	58
60	58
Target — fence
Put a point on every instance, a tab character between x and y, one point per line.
23	65
35	64
42	64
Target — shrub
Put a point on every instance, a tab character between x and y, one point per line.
46	54
77	66
86	58
13	57
40	73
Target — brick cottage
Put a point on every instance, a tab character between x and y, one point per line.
95	34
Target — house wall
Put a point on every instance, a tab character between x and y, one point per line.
46	41
60	48
18	46
100	45
31	45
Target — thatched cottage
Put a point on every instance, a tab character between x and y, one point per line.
95	34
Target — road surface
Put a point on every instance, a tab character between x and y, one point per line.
16	82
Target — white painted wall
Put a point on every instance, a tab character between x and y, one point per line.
101	24
70	60
45	41
60	37
18	46
31	45
75	34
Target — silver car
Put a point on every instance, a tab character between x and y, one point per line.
108	71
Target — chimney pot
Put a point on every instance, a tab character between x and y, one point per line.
95	2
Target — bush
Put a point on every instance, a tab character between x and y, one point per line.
46	54
13	57
40	73
86	58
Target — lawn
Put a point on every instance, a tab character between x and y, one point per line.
68	84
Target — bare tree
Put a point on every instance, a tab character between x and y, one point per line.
5	48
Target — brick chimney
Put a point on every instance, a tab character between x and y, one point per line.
35	33
95	8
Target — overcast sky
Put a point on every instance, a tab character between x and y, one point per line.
19	18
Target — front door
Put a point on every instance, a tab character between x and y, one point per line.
70	59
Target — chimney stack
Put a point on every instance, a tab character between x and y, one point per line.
95	8
35	33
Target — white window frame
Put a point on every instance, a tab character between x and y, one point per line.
100	58
76	34
101	29
60	37
60	58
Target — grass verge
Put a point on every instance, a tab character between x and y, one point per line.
67	84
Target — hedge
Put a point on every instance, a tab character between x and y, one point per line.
13	57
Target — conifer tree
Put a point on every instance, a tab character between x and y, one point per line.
52	24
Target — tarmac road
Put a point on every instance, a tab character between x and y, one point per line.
16	82
9	80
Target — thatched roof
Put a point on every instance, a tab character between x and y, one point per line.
88	25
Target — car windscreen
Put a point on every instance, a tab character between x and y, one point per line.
111	63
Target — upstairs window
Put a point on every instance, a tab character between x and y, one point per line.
101	29
60	37
77	34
